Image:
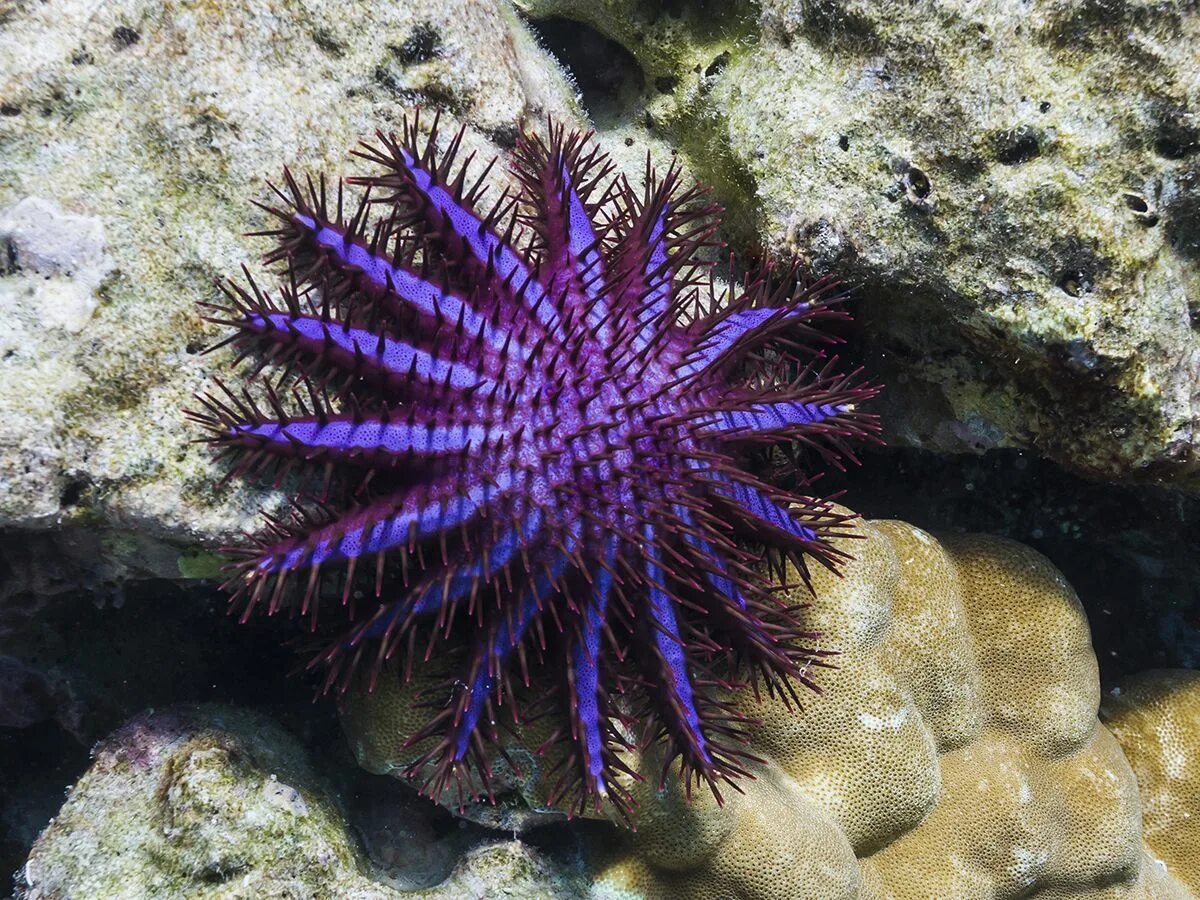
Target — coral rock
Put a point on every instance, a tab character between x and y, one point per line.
214	802
121	200
954	752
1016	183
1156	718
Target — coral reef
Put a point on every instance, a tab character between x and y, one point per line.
954	751
213	802
1022	175
1013	184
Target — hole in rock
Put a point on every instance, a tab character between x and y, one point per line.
604	71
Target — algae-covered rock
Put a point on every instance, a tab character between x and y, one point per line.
1014	187
134	136
215	802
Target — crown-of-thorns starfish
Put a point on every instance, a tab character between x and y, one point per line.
545	413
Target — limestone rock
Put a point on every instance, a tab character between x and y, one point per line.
134	138
215	802
1013	187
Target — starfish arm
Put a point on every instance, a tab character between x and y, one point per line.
720	338
761	511
588	702
357	352
773	305
799	526
823	415
365	440
645	269
657	236
780	418
681	716
716	573
455	584
775	650
729	336
377	274
461	233
559	178
505	636
655	276
363	353
458	729
439	595
397	521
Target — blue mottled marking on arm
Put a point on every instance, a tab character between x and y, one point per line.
464	577
761	418
733	328
506	637
719	580
340	435
581	243
485	244
759	507
424	295
669	643
586	662
391	356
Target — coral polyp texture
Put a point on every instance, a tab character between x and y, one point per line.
548	425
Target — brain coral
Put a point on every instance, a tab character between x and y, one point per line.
955	751
1156	717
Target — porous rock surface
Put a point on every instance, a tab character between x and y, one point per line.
1013	186
955	751
134	137
219	803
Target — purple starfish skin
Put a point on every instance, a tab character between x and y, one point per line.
548	418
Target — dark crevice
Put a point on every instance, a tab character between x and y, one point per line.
604	71
1127	551
72	493
1016	145
422	44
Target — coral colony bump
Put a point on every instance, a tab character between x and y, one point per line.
533	425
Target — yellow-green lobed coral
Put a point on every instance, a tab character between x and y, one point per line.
954	752
1156	717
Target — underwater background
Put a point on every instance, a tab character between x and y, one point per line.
1010	190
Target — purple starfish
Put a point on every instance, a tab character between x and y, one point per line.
547	410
